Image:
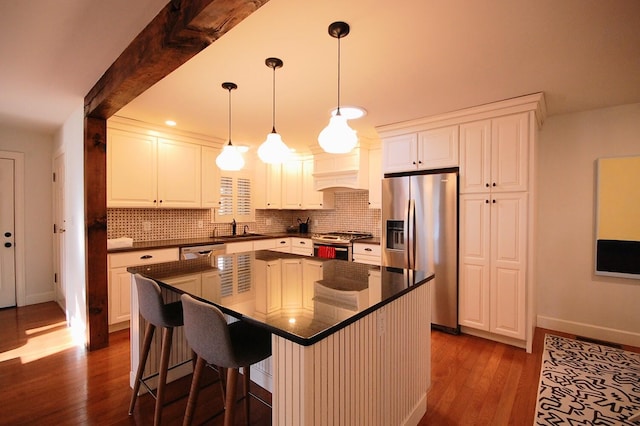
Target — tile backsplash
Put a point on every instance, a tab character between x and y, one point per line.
351	213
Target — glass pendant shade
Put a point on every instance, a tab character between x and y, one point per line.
273	150
230	158
338	137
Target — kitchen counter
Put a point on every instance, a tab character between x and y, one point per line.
342	293
188	242
349	341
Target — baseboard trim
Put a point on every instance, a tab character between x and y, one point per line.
590	330
418	412
33	299
495	337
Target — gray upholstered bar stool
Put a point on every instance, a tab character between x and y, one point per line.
229	346
157	314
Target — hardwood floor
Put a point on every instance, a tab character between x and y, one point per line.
44	379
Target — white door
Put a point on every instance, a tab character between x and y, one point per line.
7	225
59	226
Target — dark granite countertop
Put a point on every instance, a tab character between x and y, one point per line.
324	296
373	241
188	242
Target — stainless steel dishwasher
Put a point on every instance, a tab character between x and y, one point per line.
194	252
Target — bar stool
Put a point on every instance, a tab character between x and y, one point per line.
157	314
229	346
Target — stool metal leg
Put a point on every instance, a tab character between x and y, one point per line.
167	335
146	346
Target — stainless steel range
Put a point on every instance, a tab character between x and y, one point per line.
336	245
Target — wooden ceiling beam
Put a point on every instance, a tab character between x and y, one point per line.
181	30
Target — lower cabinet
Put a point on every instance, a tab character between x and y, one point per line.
119	280
493	263
278	284
367	253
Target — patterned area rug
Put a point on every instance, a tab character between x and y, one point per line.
587	384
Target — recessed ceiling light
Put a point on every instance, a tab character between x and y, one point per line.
170	123
350	112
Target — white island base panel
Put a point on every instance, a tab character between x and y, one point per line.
375	371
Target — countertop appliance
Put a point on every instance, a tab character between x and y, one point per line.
420	231
195	252
336	245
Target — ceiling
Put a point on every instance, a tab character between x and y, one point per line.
402	60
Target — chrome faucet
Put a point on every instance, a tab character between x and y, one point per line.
233	227
245	229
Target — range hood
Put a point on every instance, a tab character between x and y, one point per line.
341	172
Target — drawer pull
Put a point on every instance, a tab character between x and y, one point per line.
302	243
146	256
368	249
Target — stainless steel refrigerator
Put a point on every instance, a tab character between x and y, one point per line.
420	231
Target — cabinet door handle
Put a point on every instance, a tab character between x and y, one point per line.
493	201
486	201
283	242
486	184
494	184
302	243
414	163
146	256
368	249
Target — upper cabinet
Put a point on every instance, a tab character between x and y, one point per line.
421	150
289	186
148	171
494	155
375	178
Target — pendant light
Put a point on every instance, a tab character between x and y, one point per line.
338	137
273	150
230	158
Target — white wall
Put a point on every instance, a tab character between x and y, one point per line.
571	297
38	220
70	141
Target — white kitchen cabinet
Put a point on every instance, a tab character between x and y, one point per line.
291	185
375	178
283	245
265	244
311	272
424	150
268	286
119	280
269	186
291	288
493	262
367	253
239	247
146	171
131	169
302	246
312	199
179	174
190	283
494	155
210	177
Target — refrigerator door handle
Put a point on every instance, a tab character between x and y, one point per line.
411	234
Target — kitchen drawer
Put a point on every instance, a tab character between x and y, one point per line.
303	246
265	244
142	257
367	253
283	245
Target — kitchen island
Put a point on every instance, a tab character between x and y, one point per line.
351	342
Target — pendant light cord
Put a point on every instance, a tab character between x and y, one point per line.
229	116
273	119
338	109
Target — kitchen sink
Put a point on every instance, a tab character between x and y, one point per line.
239	236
